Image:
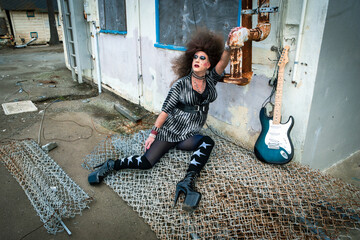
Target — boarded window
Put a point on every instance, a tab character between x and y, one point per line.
112	15
176	20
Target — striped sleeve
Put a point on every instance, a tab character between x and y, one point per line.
172	98
214	76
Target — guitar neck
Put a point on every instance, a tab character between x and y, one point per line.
278	97
279	87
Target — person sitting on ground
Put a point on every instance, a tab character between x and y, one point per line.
183	115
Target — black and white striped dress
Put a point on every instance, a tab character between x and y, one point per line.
181	125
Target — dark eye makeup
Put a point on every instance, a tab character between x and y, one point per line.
201	57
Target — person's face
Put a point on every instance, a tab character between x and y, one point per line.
200	62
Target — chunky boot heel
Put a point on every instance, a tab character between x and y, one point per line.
192	197
191	201
103	170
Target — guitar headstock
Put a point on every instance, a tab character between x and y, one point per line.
284	59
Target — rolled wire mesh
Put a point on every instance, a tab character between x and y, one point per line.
53	194
241	196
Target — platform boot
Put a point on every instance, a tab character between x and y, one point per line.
187	186
102	171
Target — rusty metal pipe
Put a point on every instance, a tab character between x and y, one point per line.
246	21
260	33
235	66
240	70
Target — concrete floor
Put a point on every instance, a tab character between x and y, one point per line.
109	217
347	170
35	70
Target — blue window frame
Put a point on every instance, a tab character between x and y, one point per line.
33	35
112	15
175	20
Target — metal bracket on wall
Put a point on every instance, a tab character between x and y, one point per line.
260	10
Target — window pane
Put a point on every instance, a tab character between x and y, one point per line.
112	15
178	19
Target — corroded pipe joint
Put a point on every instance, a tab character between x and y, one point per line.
239	37
261	32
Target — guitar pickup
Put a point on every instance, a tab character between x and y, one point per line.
273	145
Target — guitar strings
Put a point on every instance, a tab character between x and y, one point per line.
275	77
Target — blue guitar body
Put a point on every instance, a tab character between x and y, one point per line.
274	144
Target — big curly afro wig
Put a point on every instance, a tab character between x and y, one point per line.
202	40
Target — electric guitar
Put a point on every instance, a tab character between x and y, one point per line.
274	144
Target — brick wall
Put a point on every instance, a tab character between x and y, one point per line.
24	25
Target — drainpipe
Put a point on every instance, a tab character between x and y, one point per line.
97	58
299	40
139	54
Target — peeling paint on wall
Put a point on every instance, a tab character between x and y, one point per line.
264	61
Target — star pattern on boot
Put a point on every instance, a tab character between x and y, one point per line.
129	159
198	153
139	160
194	162
122	161
204	145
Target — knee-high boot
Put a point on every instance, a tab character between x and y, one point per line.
132	162
187	185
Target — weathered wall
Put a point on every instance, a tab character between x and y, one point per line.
333	133
23	25
142	73
119	57
239	117
298	87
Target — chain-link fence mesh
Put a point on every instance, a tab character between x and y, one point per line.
53	194
241	196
